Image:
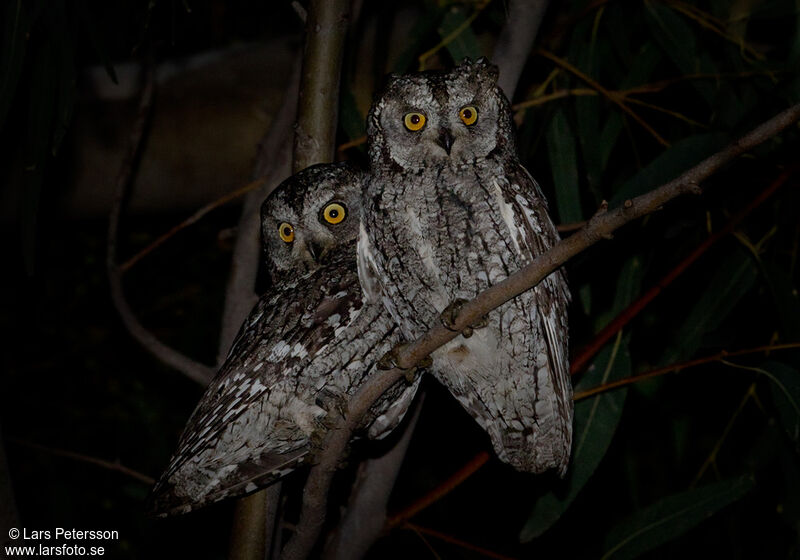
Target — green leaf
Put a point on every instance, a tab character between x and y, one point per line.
670	164
732	279
39	132
65	89
465	44
671	517
95	38
416	38
564	166
352	120
596	418
17	19
786	394
677	39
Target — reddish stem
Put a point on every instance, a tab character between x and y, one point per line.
588	352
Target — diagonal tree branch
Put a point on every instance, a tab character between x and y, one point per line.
515	41
9	517
600	226
588	352
254	517
192	369
365	518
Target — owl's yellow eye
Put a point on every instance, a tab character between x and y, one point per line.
334	213
286	231
414	121
468	114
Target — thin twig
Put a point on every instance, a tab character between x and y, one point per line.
440	491
453	35
610	95
317	117
712	457
315	140
108	465
599	227
455	541
233	195
675	368
582	358
192	369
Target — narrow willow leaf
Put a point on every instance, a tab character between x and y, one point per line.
15	23
786	394
671	517
424	26
596	418
564	165
39	129
670	164
677	39
465	44
350	117
732	279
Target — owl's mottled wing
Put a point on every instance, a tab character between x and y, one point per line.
534	234
302	343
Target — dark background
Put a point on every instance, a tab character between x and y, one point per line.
707	457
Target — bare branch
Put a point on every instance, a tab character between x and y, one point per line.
255	515
516	39
192	369
365	518
675	368
457	542
271	165
317	117
440	491
115	466
582	358
599	227
254	524
9	517
194	218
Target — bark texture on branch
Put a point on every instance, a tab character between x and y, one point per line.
191	368
600	226
516	40
9	518
318	111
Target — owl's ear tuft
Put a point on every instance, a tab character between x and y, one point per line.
487	69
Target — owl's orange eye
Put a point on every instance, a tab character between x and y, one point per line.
414	121
286	231
468	114
334	213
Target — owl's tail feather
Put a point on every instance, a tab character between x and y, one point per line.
197	486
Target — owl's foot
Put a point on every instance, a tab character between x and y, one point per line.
450	315
390	361
335	405
332	402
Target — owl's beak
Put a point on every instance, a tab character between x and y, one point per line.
446	140
314	250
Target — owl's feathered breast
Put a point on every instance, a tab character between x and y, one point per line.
305	338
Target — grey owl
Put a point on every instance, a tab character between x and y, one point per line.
448	210
309	341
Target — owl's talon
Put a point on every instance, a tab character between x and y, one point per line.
332	403
390	361
450	315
